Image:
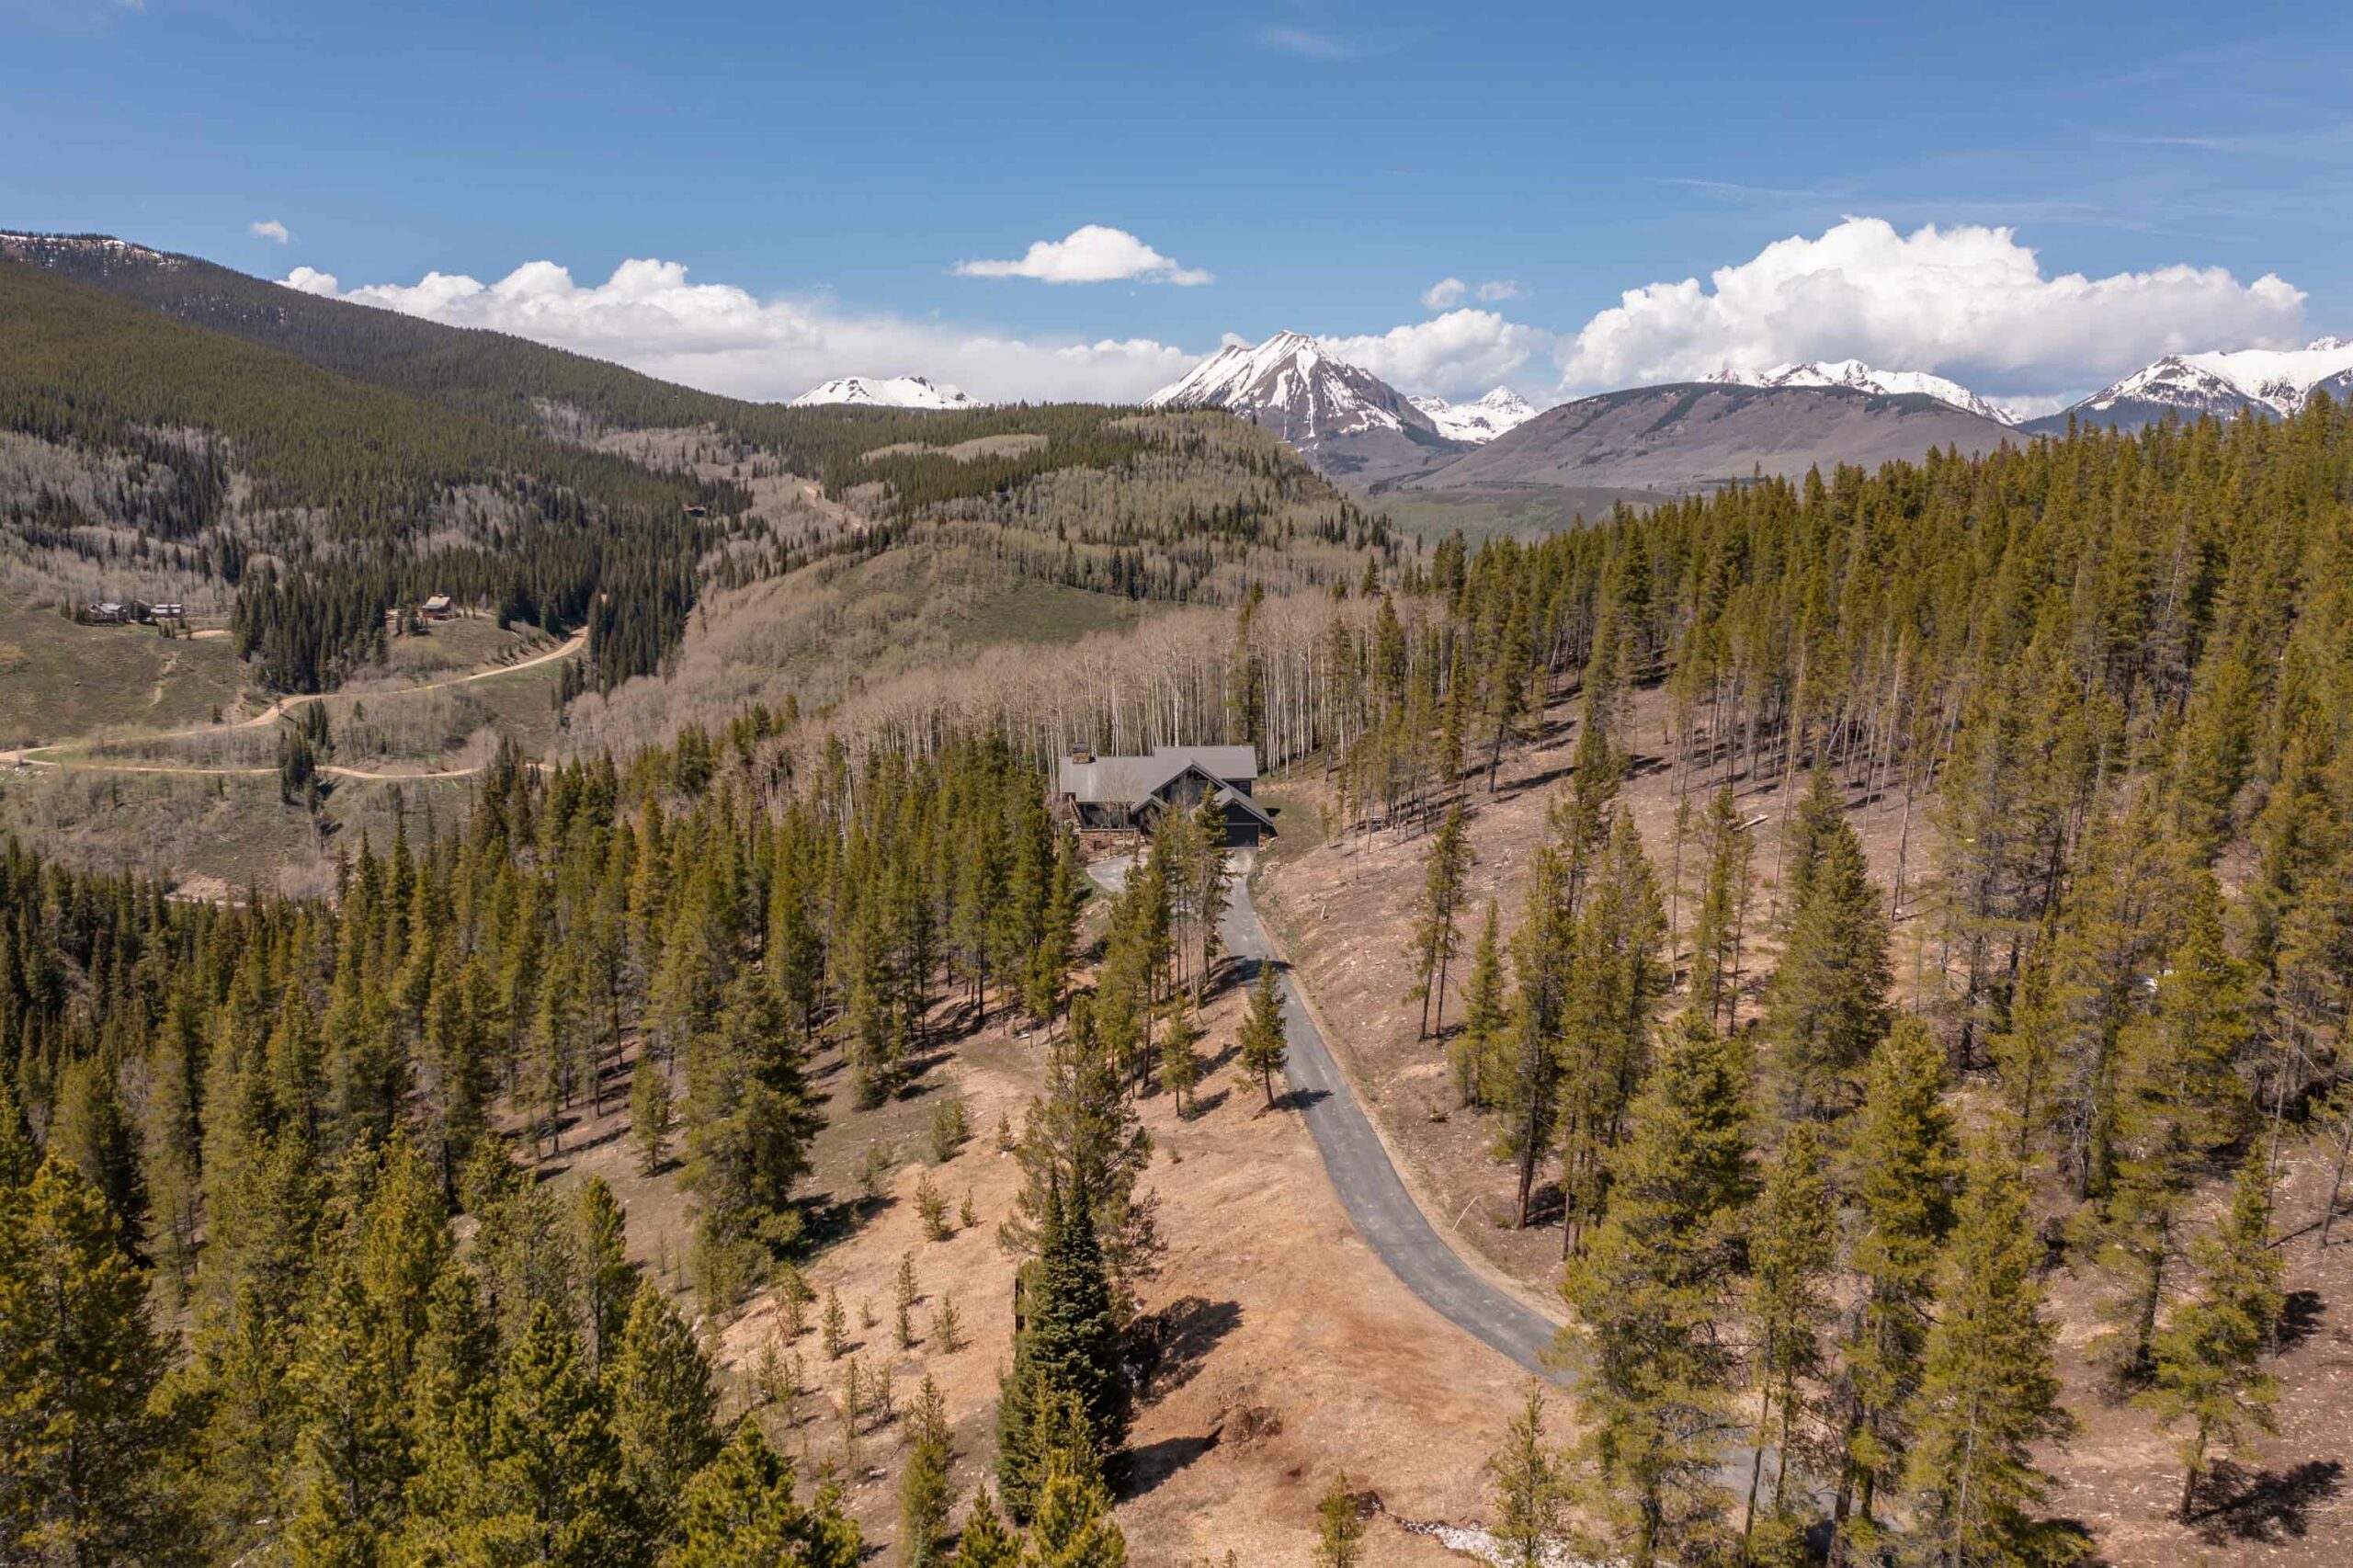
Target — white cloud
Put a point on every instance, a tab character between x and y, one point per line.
1449	293
714	335
1090	254
272	230
1307	42
1460	352
1968	302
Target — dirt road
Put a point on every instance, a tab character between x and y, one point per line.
35	755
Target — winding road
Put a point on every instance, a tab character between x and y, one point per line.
35	755
1358	1165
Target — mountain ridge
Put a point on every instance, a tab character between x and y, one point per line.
1343	419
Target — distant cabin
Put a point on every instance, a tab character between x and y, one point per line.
1131	794
109	614
694	511
436	609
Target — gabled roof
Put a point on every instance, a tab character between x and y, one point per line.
1131	780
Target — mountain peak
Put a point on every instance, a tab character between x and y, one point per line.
1342	417
884	392
1481	420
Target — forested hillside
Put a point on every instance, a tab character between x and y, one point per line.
274	1280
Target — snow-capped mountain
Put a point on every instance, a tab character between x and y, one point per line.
2264	380
884	392
1864	377
1343	418
1481	421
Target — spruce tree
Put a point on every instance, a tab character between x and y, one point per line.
986	1541
1486	1014
2208	1360
1072	1526
1989	1386
1066	1386
1434	934
556	1487
1792	1244
650	1116
1826	1005
1903	1167
1262	1042
80	1363
741	1511
926	1495
1527	1482
665	1409
1654	1283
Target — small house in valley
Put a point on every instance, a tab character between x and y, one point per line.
1132	794
436	609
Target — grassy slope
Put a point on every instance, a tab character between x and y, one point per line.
59	680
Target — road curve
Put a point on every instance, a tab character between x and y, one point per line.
34	753
1358	1166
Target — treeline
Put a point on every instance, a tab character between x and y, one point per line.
276	1110
361	499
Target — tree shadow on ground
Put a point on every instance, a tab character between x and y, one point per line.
2300	1319
2240	1503
1177	1339
1174	1342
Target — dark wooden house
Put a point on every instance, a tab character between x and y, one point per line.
1131	794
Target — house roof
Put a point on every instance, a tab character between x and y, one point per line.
1134	779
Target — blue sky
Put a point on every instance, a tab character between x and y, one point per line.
1326	166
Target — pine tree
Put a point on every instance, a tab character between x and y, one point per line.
1989	1386
1725	847
608	1278
665	1410
79	1364
739	1511
2179	1096
1904	1168
1262	1042
1434	934
554	1476
1791	1248
1486	1015
986	1541
352	1457
2208	1359
650	1116
1339	1525
1826	1006
1180	1061
1066	1369
926	1497
1529	1487
1073	1526
1656	1279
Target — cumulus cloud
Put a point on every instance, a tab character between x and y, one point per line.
1089	254
1449	293
1462	351
647	316
1968	302
270	229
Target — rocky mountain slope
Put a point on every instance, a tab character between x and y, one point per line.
1860	377
1701	436
1344	419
